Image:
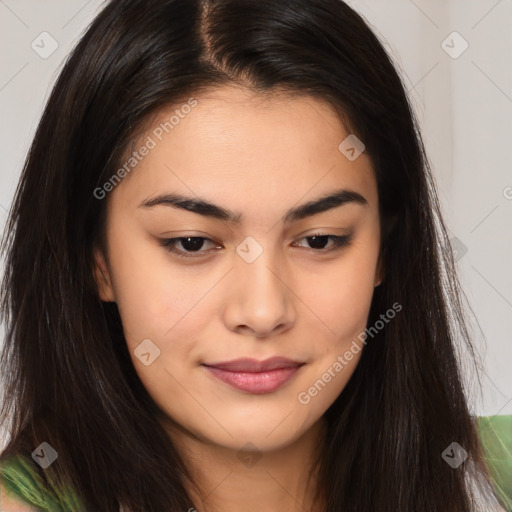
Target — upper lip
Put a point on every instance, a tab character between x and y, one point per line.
254	366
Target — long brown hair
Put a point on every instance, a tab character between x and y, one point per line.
68	375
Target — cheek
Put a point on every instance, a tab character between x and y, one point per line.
159	302
156	299
341	305
340	298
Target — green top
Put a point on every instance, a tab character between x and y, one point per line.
19	474
496	435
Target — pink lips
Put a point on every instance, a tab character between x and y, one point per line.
255	376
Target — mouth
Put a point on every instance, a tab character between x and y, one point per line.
256	377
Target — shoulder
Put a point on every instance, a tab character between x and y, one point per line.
10	502
15	479
494	433
25	489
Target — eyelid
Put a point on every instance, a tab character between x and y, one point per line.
169	245
338	243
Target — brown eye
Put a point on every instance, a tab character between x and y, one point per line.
319	242
189	244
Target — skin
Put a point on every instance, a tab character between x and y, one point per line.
13	503
259	156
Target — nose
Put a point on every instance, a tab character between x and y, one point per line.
260	302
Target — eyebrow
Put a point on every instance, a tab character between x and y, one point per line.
207	209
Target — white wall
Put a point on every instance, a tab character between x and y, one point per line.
464	105
465	108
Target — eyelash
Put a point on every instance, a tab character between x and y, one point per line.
169	244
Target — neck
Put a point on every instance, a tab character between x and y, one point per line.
225	480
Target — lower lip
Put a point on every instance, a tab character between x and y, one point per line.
256	383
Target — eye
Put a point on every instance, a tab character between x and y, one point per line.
193	246
318	242
190	244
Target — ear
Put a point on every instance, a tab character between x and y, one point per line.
379	273
388	226
102	277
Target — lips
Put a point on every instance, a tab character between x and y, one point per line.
253	366
254	376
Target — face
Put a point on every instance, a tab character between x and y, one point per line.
267	272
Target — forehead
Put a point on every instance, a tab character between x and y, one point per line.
234	142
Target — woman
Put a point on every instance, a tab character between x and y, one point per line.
228	284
